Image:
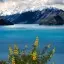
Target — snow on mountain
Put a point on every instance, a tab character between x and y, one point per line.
18	6
35	17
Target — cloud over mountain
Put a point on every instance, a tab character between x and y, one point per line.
55	2
9	6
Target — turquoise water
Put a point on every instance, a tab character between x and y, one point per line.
27	36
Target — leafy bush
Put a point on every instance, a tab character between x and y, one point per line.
17	56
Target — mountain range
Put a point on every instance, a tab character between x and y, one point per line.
47	16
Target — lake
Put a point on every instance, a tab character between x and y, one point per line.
26	34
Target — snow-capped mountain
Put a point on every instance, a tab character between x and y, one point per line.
45	16
9	7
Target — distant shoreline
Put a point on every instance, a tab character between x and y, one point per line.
33	26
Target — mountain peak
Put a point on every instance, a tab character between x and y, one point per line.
35	17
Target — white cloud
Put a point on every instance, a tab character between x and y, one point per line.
14	6
55	2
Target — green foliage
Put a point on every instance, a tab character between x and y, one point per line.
33	57
3	62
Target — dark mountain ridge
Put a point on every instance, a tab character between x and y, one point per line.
3	22
47	16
